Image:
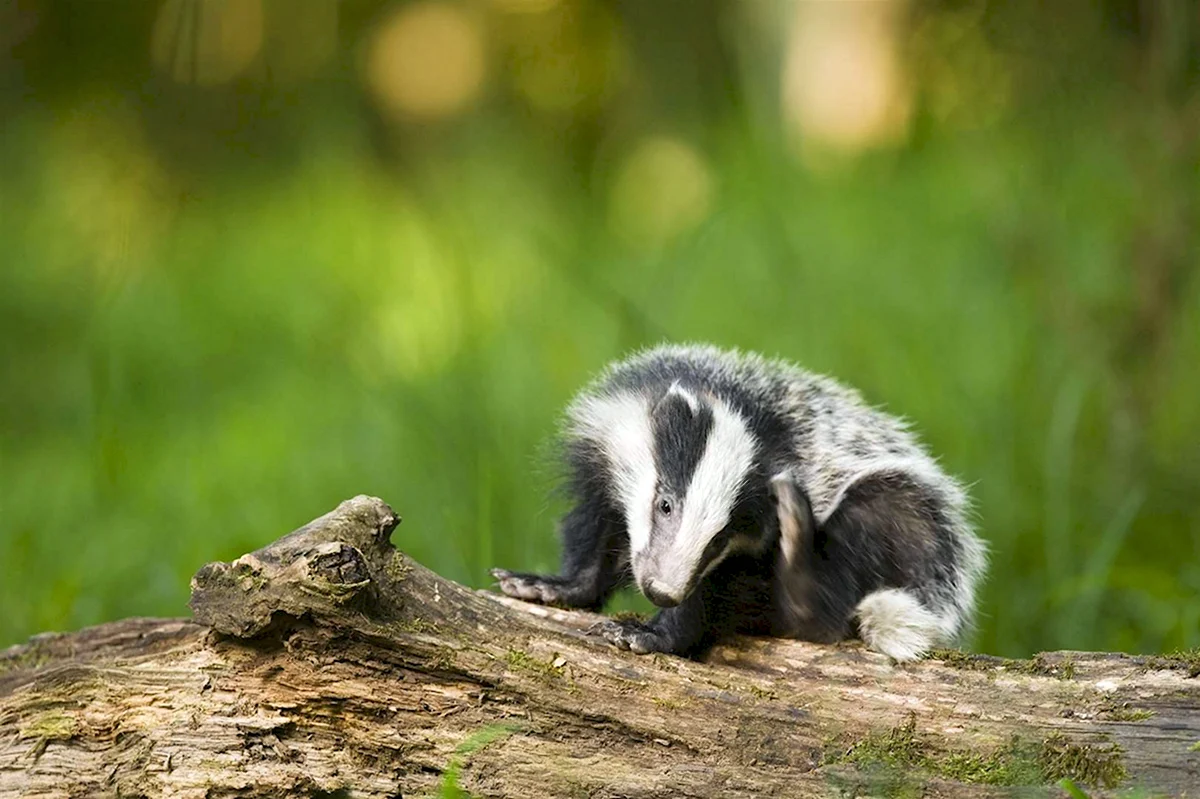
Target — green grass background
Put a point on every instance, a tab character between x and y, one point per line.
205	345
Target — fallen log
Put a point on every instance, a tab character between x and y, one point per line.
330	664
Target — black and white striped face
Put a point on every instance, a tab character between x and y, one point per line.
679	464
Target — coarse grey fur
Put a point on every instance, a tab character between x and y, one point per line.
747	494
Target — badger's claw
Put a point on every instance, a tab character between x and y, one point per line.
633	635
530	587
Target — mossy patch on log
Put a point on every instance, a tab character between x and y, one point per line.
29	656
53	725
46	727
416	624
904	748
1039	665
548	671
1017	763
1099	765
1126	712
1185	660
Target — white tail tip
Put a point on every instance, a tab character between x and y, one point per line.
894	622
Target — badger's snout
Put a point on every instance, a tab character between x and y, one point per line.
657	595
654	581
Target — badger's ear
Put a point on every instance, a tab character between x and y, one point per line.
794	513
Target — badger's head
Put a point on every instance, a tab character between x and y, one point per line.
683	469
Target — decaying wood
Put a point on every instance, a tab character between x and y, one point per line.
329	664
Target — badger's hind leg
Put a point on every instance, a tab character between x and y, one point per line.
794	610
594	564
895	558
928	561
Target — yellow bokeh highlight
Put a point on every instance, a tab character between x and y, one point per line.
427	61
568	59
106	187
427	297
525	6
965	81
663	188
842	83
207	42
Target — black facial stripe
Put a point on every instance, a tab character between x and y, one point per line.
680	436
715	547
757	403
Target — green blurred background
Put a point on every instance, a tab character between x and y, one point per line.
258	256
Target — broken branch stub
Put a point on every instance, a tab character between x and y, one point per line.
322	569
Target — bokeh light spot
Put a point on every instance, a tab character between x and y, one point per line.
525	6
842	83
663	188
426	61
107	188
569	59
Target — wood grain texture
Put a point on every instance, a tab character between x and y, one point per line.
330	664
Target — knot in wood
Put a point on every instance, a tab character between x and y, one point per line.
339	563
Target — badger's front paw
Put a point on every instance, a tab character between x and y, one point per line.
636	636
531	587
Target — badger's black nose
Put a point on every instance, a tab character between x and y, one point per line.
658	597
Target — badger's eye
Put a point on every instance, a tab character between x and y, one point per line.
664	507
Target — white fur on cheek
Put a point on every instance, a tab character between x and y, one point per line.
708	503
620	425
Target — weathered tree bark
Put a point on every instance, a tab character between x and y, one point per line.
329	664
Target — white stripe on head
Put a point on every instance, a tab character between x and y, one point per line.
620	425
687	396
711	495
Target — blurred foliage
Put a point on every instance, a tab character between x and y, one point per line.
262	255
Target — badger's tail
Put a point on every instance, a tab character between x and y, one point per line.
895	622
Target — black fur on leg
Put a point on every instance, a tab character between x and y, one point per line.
888	530
735	598
675	630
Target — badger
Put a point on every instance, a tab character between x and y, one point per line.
747	495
